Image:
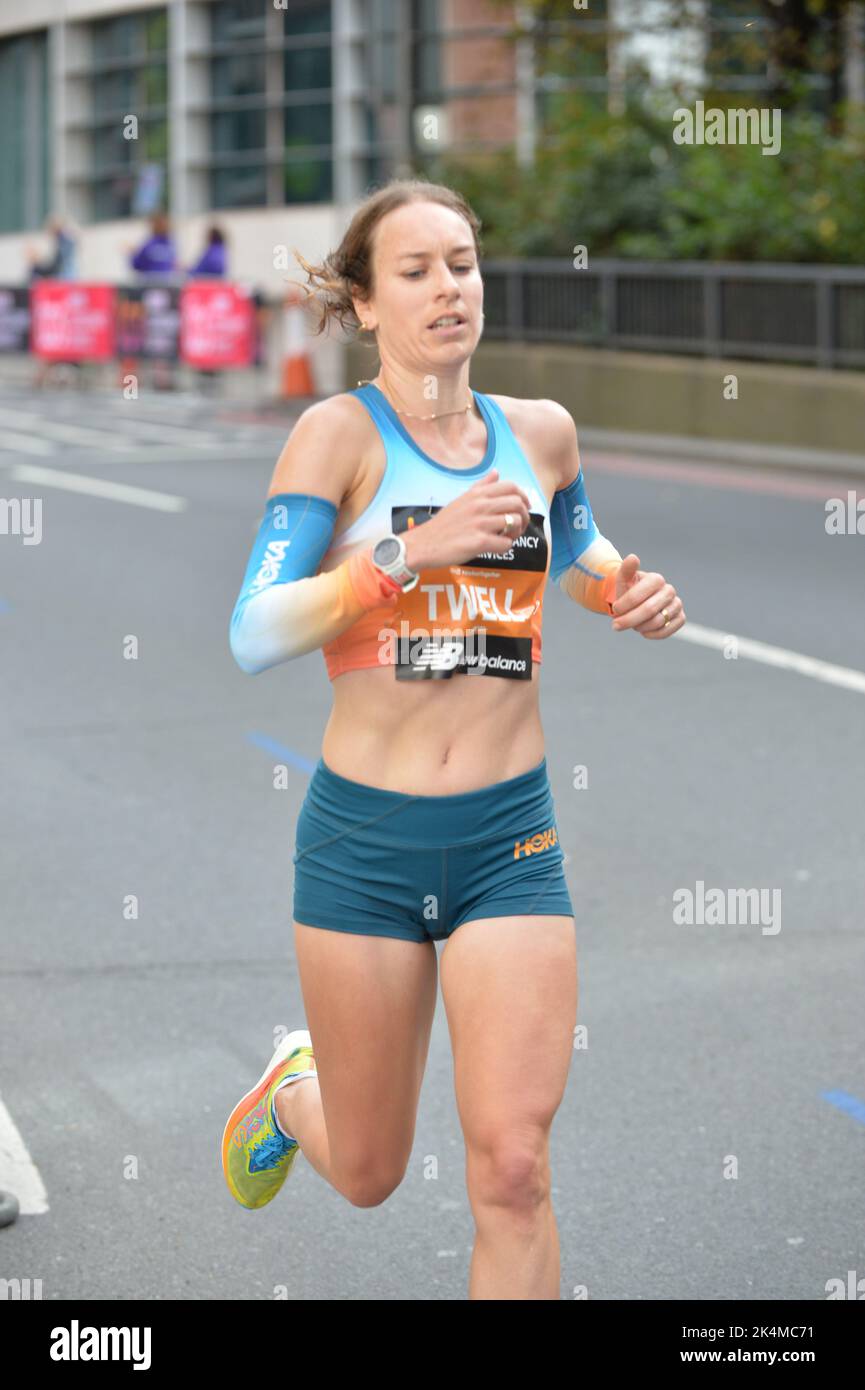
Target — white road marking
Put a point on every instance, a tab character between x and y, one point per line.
845	676
120	433
18	1173
112	492
27	443
47	430
119	437
189	435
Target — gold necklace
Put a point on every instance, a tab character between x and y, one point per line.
438	415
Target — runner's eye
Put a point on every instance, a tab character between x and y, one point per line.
409	275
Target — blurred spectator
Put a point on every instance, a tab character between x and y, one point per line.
213	261
157	255
210	265
60	264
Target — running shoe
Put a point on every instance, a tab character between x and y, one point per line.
256	1156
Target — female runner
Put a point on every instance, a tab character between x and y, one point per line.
409	530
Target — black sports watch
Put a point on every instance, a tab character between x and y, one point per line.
389	556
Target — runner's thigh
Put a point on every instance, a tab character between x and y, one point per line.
509	987
369	1002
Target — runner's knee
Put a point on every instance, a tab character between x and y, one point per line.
509	1169
369	1187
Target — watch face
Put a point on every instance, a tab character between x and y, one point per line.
386	551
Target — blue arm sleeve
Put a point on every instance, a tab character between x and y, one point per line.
572	525
292	540
584	563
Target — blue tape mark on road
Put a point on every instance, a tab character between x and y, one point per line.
5	605
286	755
850	1104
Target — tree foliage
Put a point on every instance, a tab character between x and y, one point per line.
620	185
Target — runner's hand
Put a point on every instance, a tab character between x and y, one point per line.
640	599
470	525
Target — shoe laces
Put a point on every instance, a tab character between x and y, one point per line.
272	1149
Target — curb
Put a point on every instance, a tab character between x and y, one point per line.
722	451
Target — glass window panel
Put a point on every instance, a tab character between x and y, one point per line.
238	130
24	143
426	16
306	68
306	17
238	19
130	90
240	75
113	92
112	197
155	27
238	188
308	125
129	36
109	148
154	84
427	69
308	181
153	142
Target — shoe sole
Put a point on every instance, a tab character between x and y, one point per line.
299	1038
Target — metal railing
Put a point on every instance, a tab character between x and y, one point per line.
813	314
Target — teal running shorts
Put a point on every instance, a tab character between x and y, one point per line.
384	863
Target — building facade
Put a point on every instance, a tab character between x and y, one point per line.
273	117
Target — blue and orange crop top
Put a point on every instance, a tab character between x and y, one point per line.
492	603
481	617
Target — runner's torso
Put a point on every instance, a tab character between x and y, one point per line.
452	732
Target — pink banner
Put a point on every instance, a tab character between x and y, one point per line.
217	326
71	322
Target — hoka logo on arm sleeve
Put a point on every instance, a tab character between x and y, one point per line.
269	571
292	540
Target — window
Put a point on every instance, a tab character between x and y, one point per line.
129	77
270	102
24	138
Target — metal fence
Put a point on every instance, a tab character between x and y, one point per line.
786	313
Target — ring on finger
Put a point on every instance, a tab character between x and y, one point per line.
509	521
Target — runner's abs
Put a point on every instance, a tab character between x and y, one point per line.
435	738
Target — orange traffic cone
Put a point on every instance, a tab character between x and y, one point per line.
296	369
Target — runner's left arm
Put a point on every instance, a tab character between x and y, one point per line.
584	563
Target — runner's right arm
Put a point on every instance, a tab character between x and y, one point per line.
285	608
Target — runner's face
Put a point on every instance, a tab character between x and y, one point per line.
413	290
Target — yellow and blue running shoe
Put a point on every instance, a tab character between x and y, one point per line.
256	1156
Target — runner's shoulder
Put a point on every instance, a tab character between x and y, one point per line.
547	427
325	451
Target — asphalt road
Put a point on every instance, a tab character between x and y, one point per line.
124	1042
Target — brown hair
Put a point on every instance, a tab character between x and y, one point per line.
349	267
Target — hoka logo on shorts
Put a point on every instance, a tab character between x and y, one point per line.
535	843
269	572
